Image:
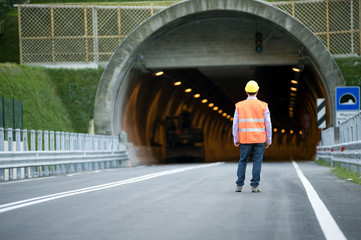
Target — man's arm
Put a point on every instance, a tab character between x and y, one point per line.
235	128
267	119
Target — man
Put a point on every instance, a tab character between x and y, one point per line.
252	131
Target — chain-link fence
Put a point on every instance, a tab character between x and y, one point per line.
91	33
11	113
335	22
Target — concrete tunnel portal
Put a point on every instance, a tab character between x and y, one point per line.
209	46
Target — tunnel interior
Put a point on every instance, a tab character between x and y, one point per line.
291	97
214	54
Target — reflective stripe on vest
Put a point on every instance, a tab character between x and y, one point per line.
252	120
252	130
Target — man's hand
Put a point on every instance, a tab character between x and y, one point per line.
237	144
268	144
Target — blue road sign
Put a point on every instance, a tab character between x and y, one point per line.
347	98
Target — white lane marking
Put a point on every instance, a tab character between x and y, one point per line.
329	227
37	200
25	180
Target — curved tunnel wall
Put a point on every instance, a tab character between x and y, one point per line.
123	86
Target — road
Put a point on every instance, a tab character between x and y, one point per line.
185	201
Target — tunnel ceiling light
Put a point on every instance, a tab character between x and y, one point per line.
160	73
291	131
188	90
215	108
231	119
196	95
300	132
205	100
293	94
177	83
294	81
298	68
220	111
211	105
291	108
293	89
275	130
224	114
283	131
228	116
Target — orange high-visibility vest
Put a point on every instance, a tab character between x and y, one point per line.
251	124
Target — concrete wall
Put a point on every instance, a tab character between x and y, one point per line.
221	41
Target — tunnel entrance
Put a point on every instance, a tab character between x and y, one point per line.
210	48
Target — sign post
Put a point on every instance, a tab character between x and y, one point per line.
321	113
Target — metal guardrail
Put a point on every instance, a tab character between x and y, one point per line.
53	153
347	153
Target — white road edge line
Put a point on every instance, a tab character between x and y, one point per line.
329	227
27	202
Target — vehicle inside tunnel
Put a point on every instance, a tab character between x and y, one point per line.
208	95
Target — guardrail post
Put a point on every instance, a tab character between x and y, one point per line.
52	145
2	138
25	139
62	141
67	141
46	141
71	139
40	140
10	139
58	142
17	139
80	139
32	140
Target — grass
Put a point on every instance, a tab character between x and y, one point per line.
77	90
341	173
42	107
53	99
351	70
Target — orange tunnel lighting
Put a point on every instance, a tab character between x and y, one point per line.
160	73
205	100
211	105
196	95
188	90
177	83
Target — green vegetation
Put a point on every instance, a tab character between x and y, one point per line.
342	173
53	99
9	42
90	1
77	89
351	70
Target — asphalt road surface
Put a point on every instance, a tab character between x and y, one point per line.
188	201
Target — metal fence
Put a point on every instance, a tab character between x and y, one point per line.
347	153
43	153
91	33
11	113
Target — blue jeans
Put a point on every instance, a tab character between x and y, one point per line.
245	149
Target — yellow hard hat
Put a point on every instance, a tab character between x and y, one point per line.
252	86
